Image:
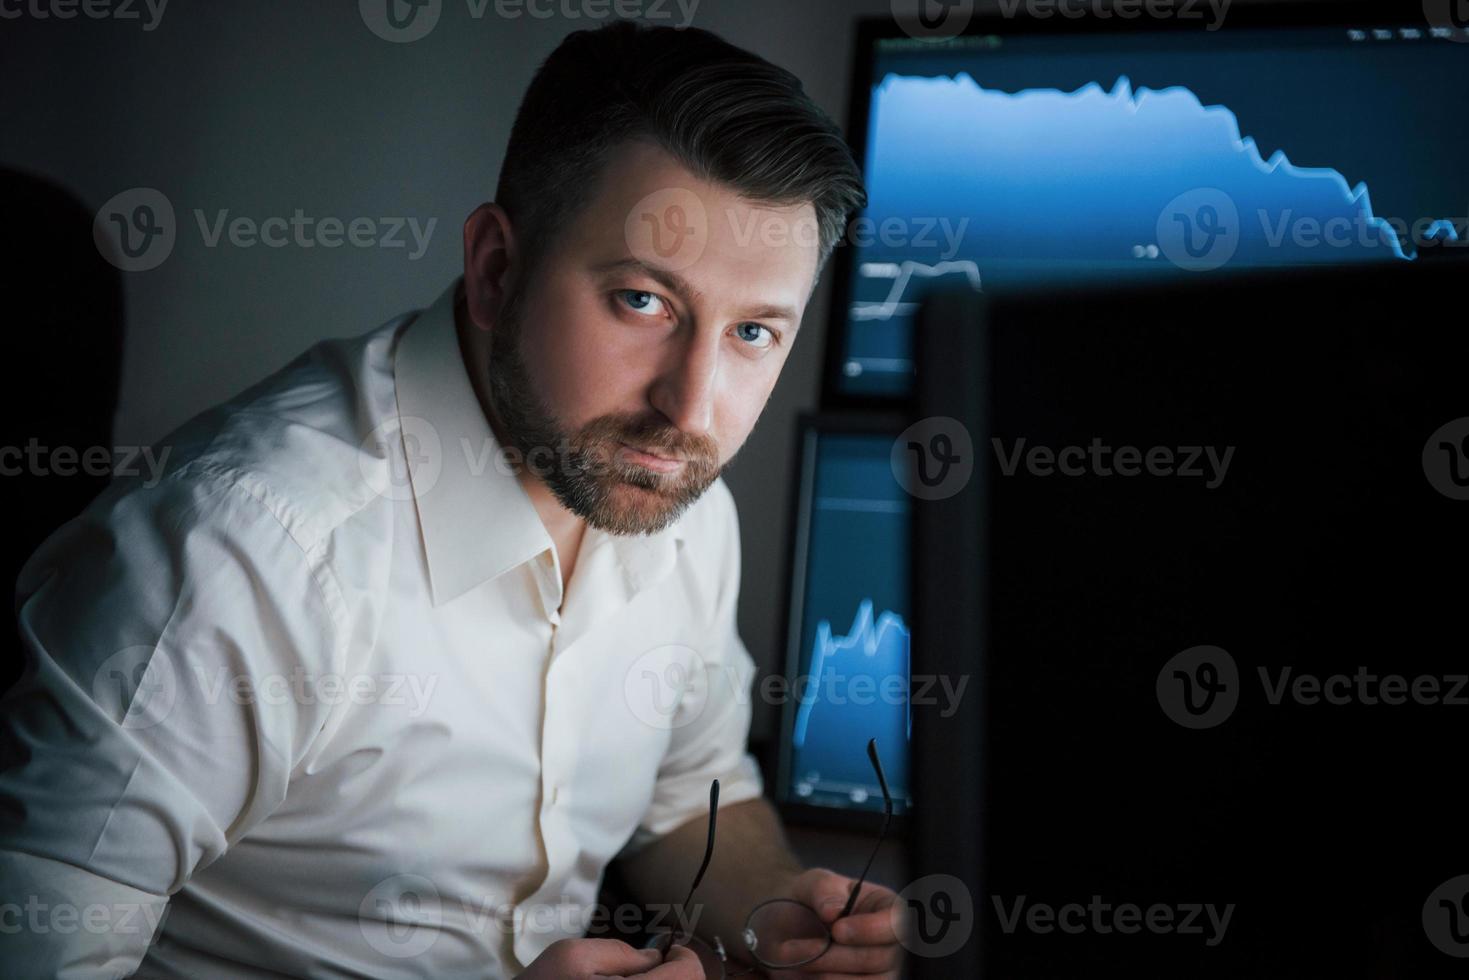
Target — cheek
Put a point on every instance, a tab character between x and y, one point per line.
575	356
740	406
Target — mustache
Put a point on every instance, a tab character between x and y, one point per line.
654	435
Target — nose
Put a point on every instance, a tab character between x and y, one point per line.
684	391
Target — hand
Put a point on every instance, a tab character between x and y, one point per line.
864	943
599	959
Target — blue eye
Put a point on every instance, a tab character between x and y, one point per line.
754	340
639	300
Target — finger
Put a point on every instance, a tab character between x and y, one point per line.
866	929
603	956
875	898
682	963
828	892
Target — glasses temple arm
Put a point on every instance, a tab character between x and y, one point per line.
887	816
703	866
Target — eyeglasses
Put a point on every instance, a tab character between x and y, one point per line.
779	932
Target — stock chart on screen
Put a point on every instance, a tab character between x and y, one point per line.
1030	159
851	682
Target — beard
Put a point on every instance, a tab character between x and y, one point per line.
584	467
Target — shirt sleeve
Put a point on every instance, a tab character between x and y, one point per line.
154	724
713	742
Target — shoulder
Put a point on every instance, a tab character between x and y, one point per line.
306	442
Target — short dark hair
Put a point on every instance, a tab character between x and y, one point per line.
727	115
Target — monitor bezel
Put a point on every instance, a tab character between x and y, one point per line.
811	426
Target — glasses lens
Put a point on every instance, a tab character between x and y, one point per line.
783	933
708	958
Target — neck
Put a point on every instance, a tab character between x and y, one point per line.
565	528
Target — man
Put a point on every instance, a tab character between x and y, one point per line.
375	680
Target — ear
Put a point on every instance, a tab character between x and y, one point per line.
489	254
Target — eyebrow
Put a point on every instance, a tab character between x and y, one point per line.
676	283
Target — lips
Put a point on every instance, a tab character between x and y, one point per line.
649	452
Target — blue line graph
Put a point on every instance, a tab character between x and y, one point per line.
884	643
1051	178
856	689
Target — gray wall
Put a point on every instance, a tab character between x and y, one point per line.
260	109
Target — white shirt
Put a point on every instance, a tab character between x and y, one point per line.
321	696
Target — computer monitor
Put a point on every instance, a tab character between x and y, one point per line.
846	658
1039	146
1207	574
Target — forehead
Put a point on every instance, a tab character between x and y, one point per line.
646	205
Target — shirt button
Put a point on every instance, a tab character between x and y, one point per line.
555	794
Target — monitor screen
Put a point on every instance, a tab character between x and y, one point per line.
1053	153
847	658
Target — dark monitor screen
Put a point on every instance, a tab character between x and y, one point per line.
1206	576
1037	152
847	648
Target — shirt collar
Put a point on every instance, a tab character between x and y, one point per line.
478	522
